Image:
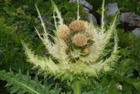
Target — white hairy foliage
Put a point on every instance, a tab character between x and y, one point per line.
58	15
55	49
101	39
43	63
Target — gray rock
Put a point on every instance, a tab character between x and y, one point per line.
86	4
87	7
112	9
89	16
130	18
136	32
83	2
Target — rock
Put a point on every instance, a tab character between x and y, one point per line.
86	10
85	3
130	18
136	32
112	8
88	16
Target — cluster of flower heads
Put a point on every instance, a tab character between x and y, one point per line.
77	47
76	34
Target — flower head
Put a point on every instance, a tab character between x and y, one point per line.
78	26
79	39
63	32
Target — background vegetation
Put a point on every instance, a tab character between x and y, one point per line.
17	21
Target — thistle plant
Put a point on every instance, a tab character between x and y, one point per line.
76	49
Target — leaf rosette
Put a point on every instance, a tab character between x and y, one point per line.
79	48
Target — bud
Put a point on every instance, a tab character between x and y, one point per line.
119	87
86	51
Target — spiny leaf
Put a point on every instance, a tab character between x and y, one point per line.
103	12
43	63
78	16
137	86
42	22
58	13
23	84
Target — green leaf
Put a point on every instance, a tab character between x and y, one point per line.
23	84
137	86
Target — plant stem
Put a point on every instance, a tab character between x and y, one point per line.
76	87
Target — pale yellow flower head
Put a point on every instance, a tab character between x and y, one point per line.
63	32
79	39
77	26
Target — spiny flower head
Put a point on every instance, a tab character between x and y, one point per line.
78	26
75	53
79	39
63	31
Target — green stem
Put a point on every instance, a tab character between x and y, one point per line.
76	87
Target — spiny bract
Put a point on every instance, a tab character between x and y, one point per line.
77	47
